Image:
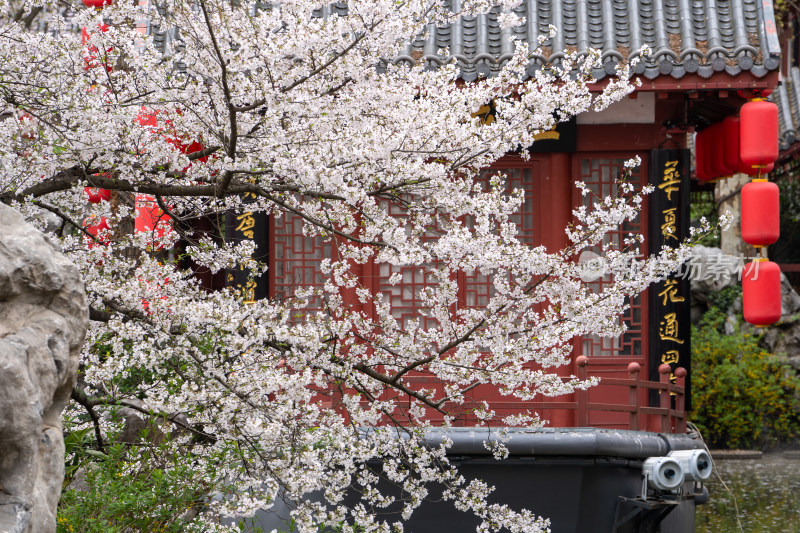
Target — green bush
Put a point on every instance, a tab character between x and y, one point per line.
152	486
134	489
743	396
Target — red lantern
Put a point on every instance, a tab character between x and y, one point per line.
717	158
150	218
97	228
758	134
91	59
97	195
755	171
730	134
761	292
701	141
760	213
97	4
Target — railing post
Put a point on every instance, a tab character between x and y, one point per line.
680	401
663	396
633	394
582	411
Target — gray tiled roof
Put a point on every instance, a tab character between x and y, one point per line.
685	36
787	96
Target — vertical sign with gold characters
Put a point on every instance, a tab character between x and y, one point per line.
669	299
248	225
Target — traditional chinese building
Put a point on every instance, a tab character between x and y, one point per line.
707	57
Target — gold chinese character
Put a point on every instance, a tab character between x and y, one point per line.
248	292
670	292
670	357
668	229
668	328
485	113
671	180
246	224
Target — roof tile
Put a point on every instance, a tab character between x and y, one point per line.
685	36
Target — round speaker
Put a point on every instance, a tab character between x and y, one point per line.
696	463
663	473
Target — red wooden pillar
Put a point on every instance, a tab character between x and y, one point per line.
634	370
680	401
555	216
664	397
582	402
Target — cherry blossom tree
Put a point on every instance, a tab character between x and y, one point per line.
294	109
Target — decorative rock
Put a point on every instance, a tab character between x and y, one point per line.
43	321
790	300
710	270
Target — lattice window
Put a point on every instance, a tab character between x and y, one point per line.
297	258
601	175
478	288
404	297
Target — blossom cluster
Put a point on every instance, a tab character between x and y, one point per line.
289	114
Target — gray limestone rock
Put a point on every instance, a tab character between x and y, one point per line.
709	270
43	321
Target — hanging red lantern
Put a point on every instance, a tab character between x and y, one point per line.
91	59
151	219
730	147
758	134
755	171
707	155
97	4
98	228
761	292
729	156
97	195
701	156
760	213
717	158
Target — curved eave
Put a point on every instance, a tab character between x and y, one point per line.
703	40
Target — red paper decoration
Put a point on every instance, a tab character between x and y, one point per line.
761	293
758	134
756	171
760	213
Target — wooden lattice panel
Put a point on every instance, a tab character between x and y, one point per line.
478	288
600	175
404	297
296	257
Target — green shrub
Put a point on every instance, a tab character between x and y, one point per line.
137	488
743	396
152	486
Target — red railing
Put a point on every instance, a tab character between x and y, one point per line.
668	417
